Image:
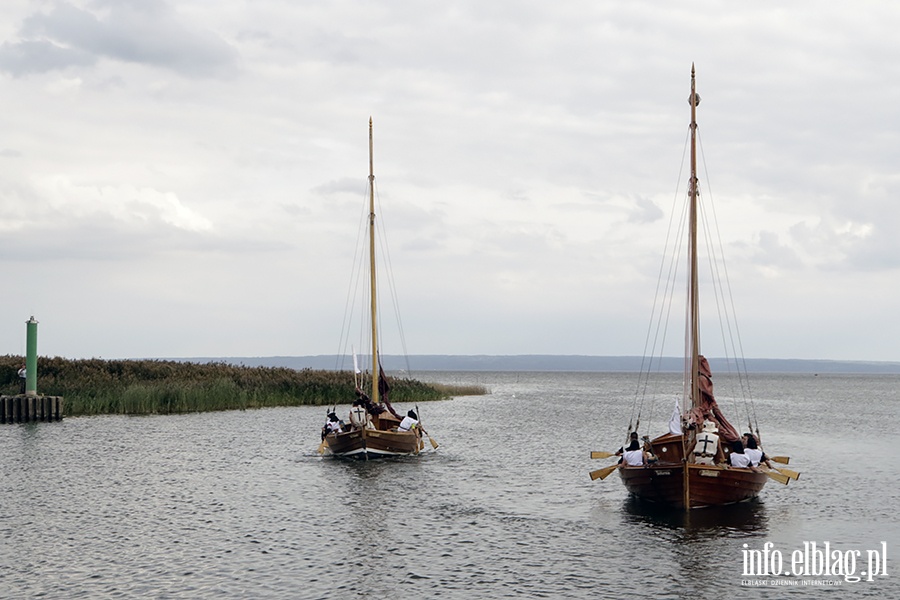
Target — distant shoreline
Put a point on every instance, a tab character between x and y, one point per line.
555	363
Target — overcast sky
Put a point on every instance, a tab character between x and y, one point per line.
185	178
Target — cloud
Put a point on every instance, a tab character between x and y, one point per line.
148	33
60	219
39	56
645	211
347	185
526	155
131	206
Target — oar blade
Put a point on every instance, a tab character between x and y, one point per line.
603	473
790	473
321	447
781	459
602	454
434	444
778	477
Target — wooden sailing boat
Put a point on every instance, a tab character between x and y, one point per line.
375	429
676	471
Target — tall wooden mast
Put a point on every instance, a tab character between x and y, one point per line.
693	287
693	300
372	293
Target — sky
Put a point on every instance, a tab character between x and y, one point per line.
186	178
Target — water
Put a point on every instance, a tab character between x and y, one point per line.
237	504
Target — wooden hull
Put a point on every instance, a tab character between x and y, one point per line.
366	444
708	485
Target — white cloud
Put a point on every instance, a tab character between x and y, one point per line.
148	32
205	165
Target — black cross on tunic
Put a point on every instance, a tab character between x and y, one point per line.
705	441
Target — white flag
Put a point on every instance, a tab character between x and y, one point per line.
675	420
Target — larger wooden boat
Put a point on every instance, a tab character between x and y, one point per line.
675	471
374	428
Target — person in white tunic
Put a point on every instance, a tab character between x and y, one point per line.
632	437
737	456
334	424
751	449
707	444
359	416
633	455
409	422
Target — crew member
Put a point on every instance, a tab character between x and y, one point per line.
707	444
632	437
333	424
634	456
359	416
754	454
409	422
737	456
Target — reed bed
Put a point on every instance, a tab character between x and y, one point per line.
140	387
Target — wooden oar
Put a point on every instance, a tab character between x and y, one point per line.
789	472
781	459
321	447
777	476
434	444
603	473
602	454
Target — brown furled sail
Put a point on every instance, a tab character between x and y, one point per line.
707	408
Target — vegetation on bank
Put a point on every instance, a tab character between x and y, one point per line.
139	387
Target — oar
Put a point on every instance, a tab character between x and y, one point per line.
602	454
434	444
781	459
604	472
321	447
777	476
789	472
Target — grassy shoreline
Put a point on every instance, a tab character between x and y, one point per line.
142	387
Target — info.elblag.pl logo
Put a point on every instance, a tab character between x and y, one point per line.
813	560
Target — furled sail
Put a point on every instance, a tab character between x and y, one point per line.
707	408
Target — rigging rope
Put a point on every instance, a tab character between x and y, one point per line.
356	273
392	287
664	302
726	297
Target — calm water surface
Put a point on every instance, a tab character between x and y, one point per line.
237	504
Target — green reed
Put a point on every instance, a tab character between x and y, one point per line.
138	387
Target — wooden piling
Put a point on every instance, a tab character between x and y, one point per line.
25	409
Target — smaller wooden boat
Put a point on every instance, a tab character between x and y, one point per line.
374	429
379	439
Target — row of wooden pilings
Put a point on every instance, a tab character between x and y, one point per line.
25	409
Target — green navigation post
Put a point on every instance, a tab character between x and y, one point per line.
31	357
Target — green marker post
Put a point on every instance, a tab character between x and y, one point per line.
31	357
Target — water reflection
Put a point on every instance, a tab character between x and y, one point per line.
724	521
694	547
